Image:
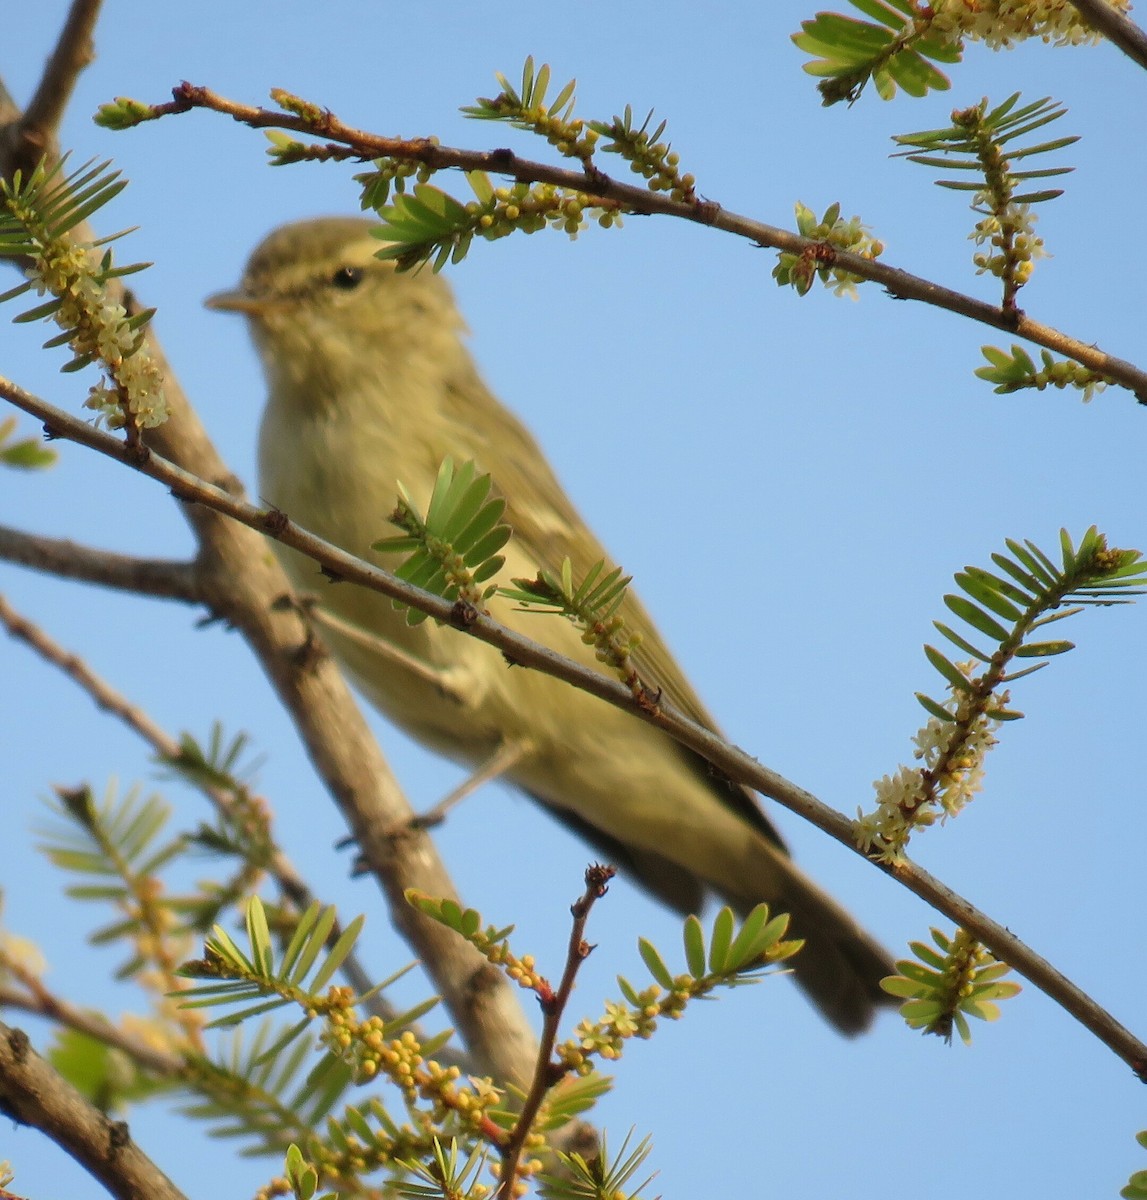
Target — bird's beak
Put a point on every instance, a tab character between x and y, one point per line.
237	301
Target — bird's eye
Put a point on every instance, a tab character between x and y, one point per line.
347	278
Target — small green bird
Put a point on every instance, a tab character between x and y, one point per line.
369	382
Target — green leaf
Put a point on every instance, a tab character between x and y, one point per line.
655	964
1039	571
308	941
694	938
935	709
926	954
976	617
629	992
1044	649
753	938
982	587
39	313
881	12
1011	676
897	985
958	641
262	949
948	669
338	954
28	454
1021	596
720	941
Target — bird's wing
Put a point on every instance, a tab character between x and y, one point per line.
552	529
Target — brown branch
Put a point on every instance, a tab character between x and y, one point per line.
728	759
1118	29
104	695
554	1004
33	135
244	585
35	998
167	578
32	1093
350	142
281	869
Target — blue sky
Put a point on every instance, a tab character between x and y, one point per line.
792	482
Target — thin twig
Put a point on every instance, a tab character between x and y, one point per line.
35	998
360	145
386	650
547	1074
168	578
104	695
728	759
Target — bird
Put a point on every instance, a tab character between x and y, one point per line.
370	382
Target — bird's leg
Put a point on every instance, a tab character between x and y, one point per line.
383	648
507	755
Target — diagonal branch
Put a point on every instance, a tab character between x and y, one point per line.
33	997
348	142
1116	28
33	135
728	759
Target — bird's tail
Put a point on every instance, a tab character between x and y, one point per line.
840	965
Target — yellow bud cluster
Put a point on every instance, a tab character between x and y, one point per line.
520	970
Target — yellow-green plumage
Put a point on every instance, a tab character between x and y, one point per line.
369	382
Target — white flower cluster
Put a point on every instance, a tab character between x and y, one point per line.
1001	23
952	754
99	329
1018	221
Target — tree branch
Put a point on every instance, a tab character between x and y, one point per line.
167	578
33	134
348	142
35	998
32	1093
554	1005
1121	31
103	694
523	651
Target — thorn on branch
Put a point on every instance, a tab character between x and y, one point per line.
276	521
463	614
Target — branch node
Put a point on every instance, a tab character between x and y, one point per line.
707	211
20	1045
275	521
463	614
119	1137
